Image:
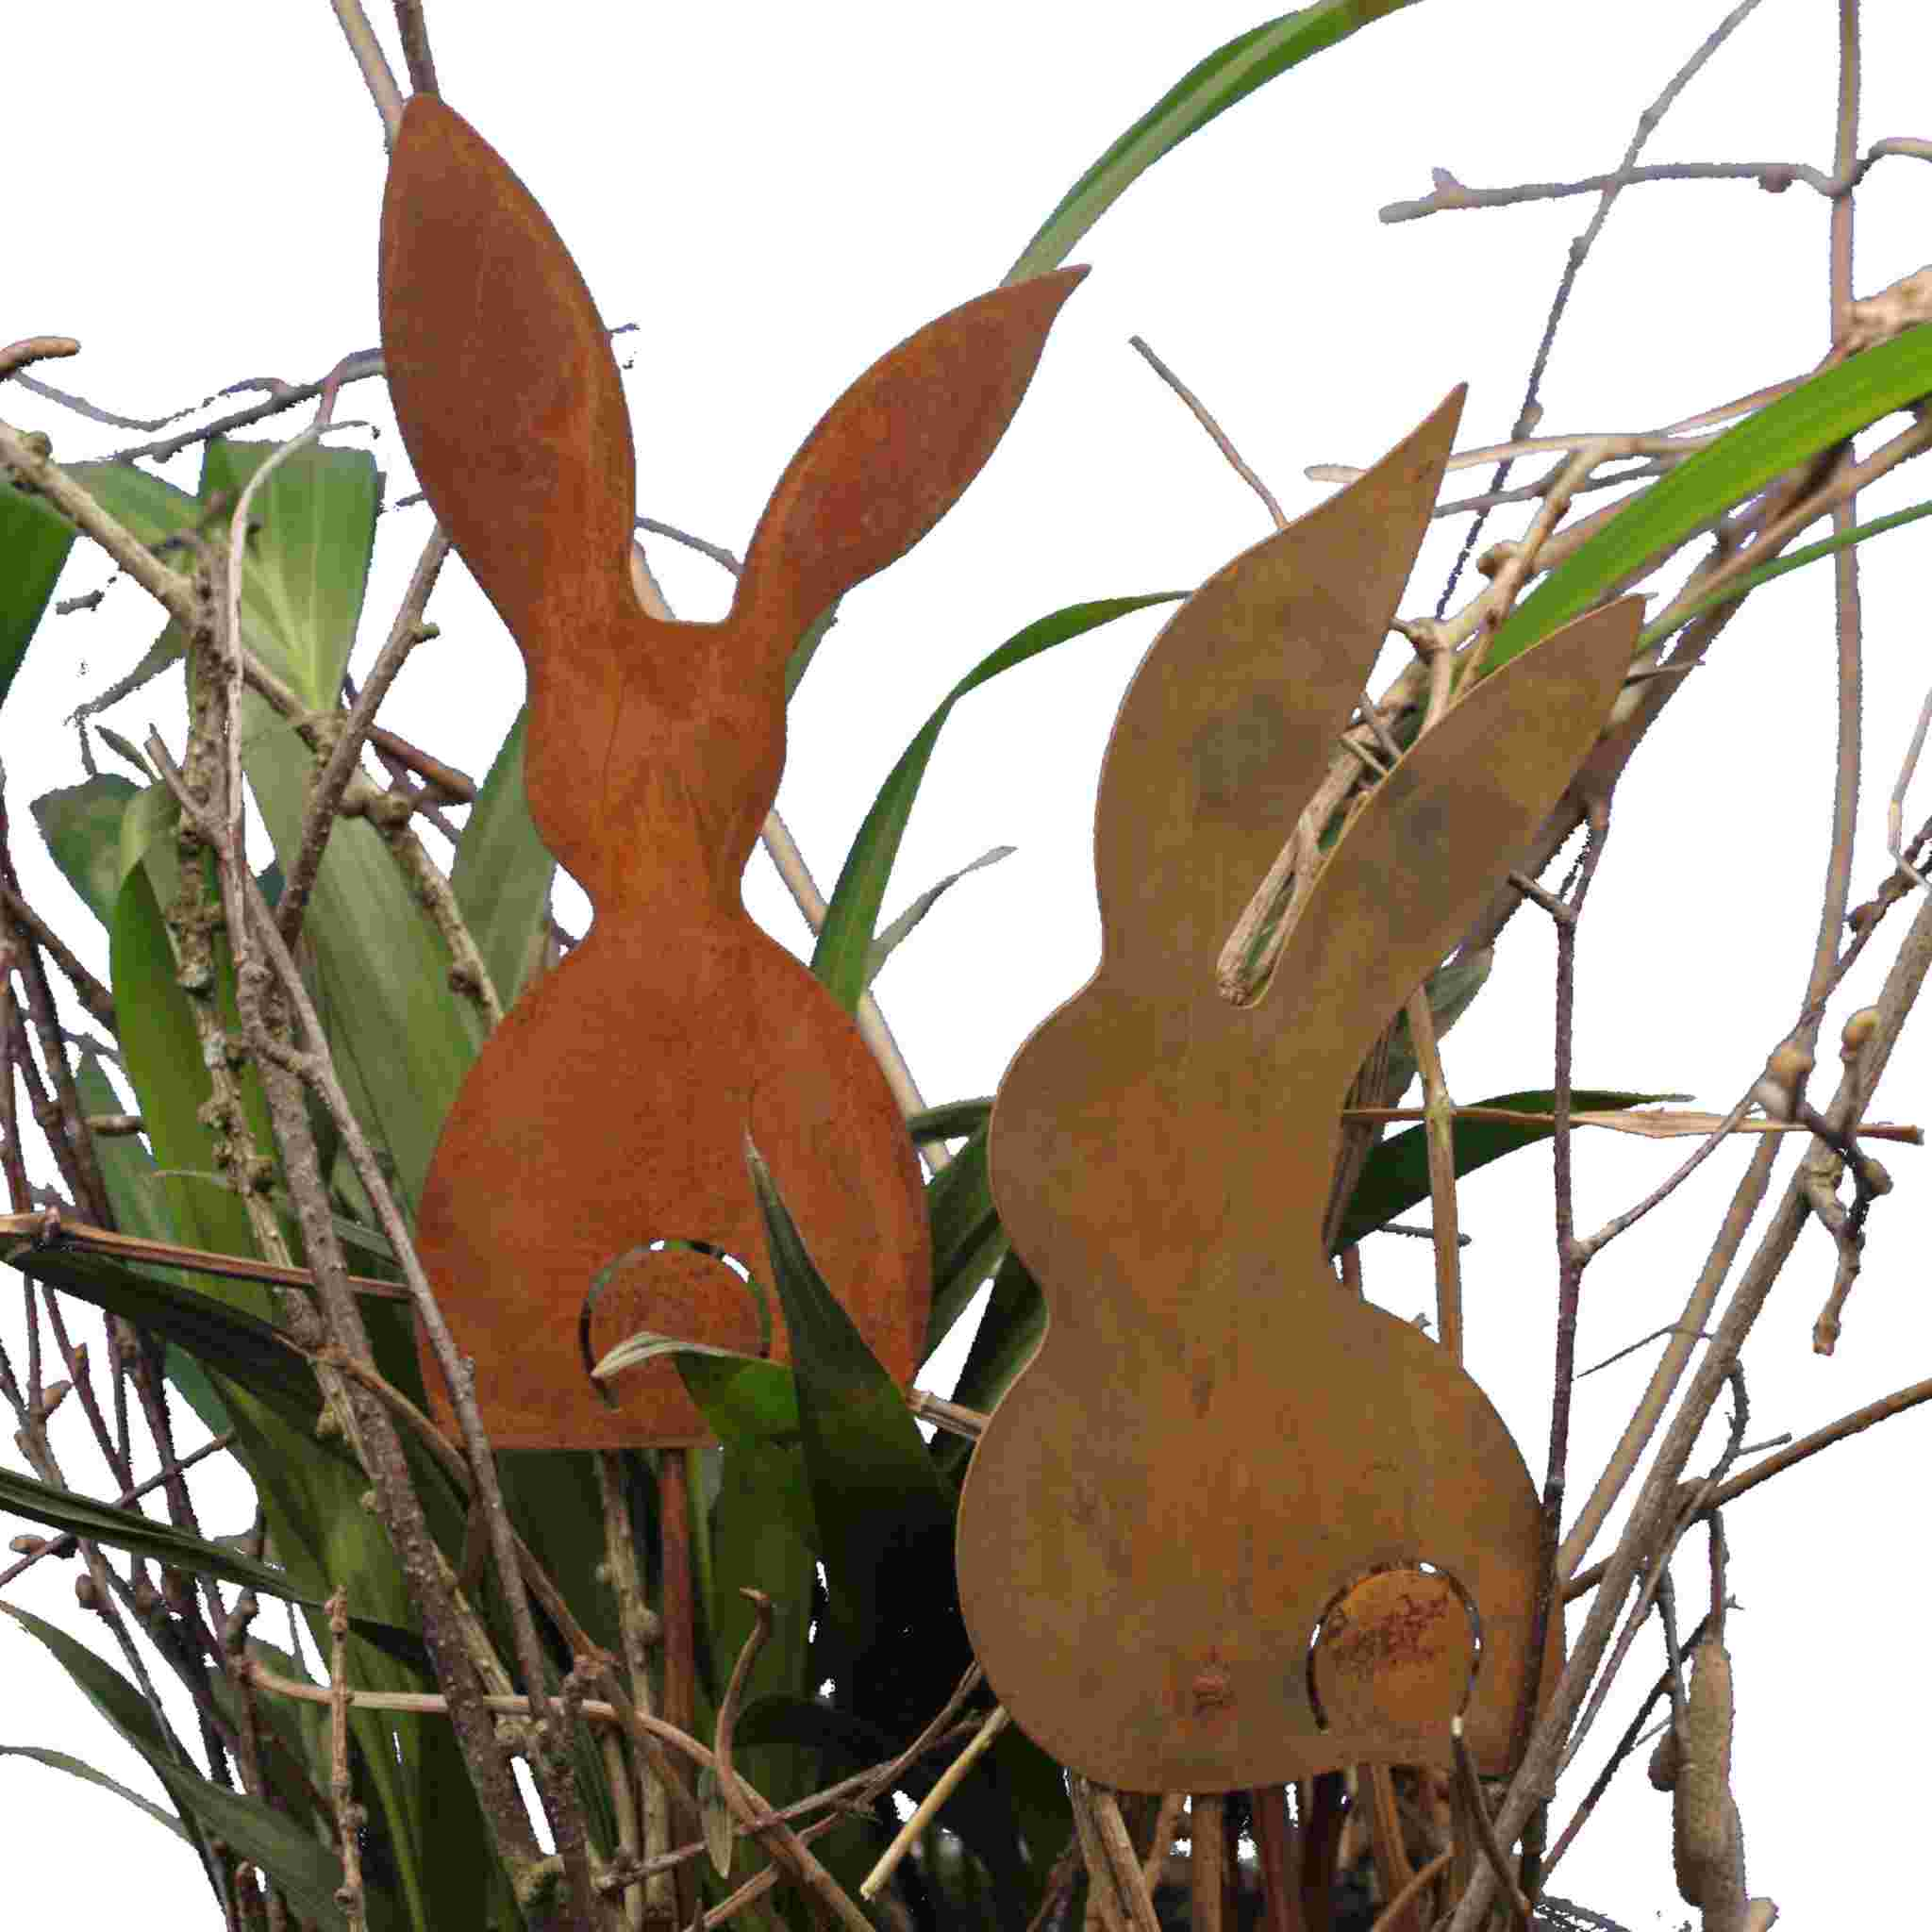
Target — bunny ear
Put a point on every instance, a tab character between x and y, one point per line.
1432	841
1231	719
893	454
505	387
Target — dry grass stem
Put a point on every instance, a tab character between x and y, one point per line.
928	1807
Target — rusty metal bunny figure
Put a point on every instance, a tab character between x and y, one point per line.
1218	1451
610	1110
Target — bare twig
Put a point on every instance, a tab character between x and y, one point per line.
1486	1833
348	1813
377	72
928	1807
416	55
31	349
340	766
1772	177
1213	429
89	990
1653	1512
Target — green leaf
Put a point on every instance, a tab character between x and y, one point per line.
900	928
60	1760
141	1209
34	542
1005	1340
128	1529
147	505
846	940
402	1041
311	1493
956	1121
1654	634
1815	417
744	1400
1395	1176
81	825
967	1238
306	1869
307	566
164	1061
1228	75
237	1344
884	1514
503	873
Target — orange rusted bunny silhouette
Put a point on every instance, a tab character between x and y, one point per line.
610	1110
1217	1450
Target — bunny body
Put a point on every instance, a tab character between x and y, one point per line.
1215	1441
610	1110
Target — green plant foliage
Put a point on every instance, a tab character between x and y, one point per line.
128	1529
842	957
34	542
1654	634
967	1238
311	533
1395	1176
1818	415
240	1346
503	873
1005	1340
1228	75
61	1760
299	1863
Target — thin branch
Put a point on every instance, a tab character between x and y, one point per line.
1214	430
416	55
377	72
94	998
1486	1833
1654	1511
928	1807
31	349
330	783
1530	413
1772	177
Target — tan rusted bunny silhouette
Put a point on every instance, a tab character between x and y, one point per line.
1217	1450
610	1110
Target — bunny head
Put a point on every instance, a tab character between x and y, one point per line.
1233	1525
608	1112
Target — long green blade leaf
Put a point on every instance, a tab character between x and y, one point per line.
845	940
884	1514
300	1864
502	873
1824	412
127	1530
61	1760
34	542
1395	1176
1654	634
1228	75
228	1339
312	532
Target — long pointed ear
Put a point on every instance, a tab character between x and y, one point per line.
1232	717
1431	842
893	454
505	387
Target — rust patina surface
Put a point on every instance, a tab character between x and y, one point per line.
611	1107
1218	1449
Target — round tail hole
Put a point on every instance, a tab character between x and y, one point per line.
1396	1649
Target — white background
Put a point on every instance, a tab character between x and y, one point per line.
776	195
